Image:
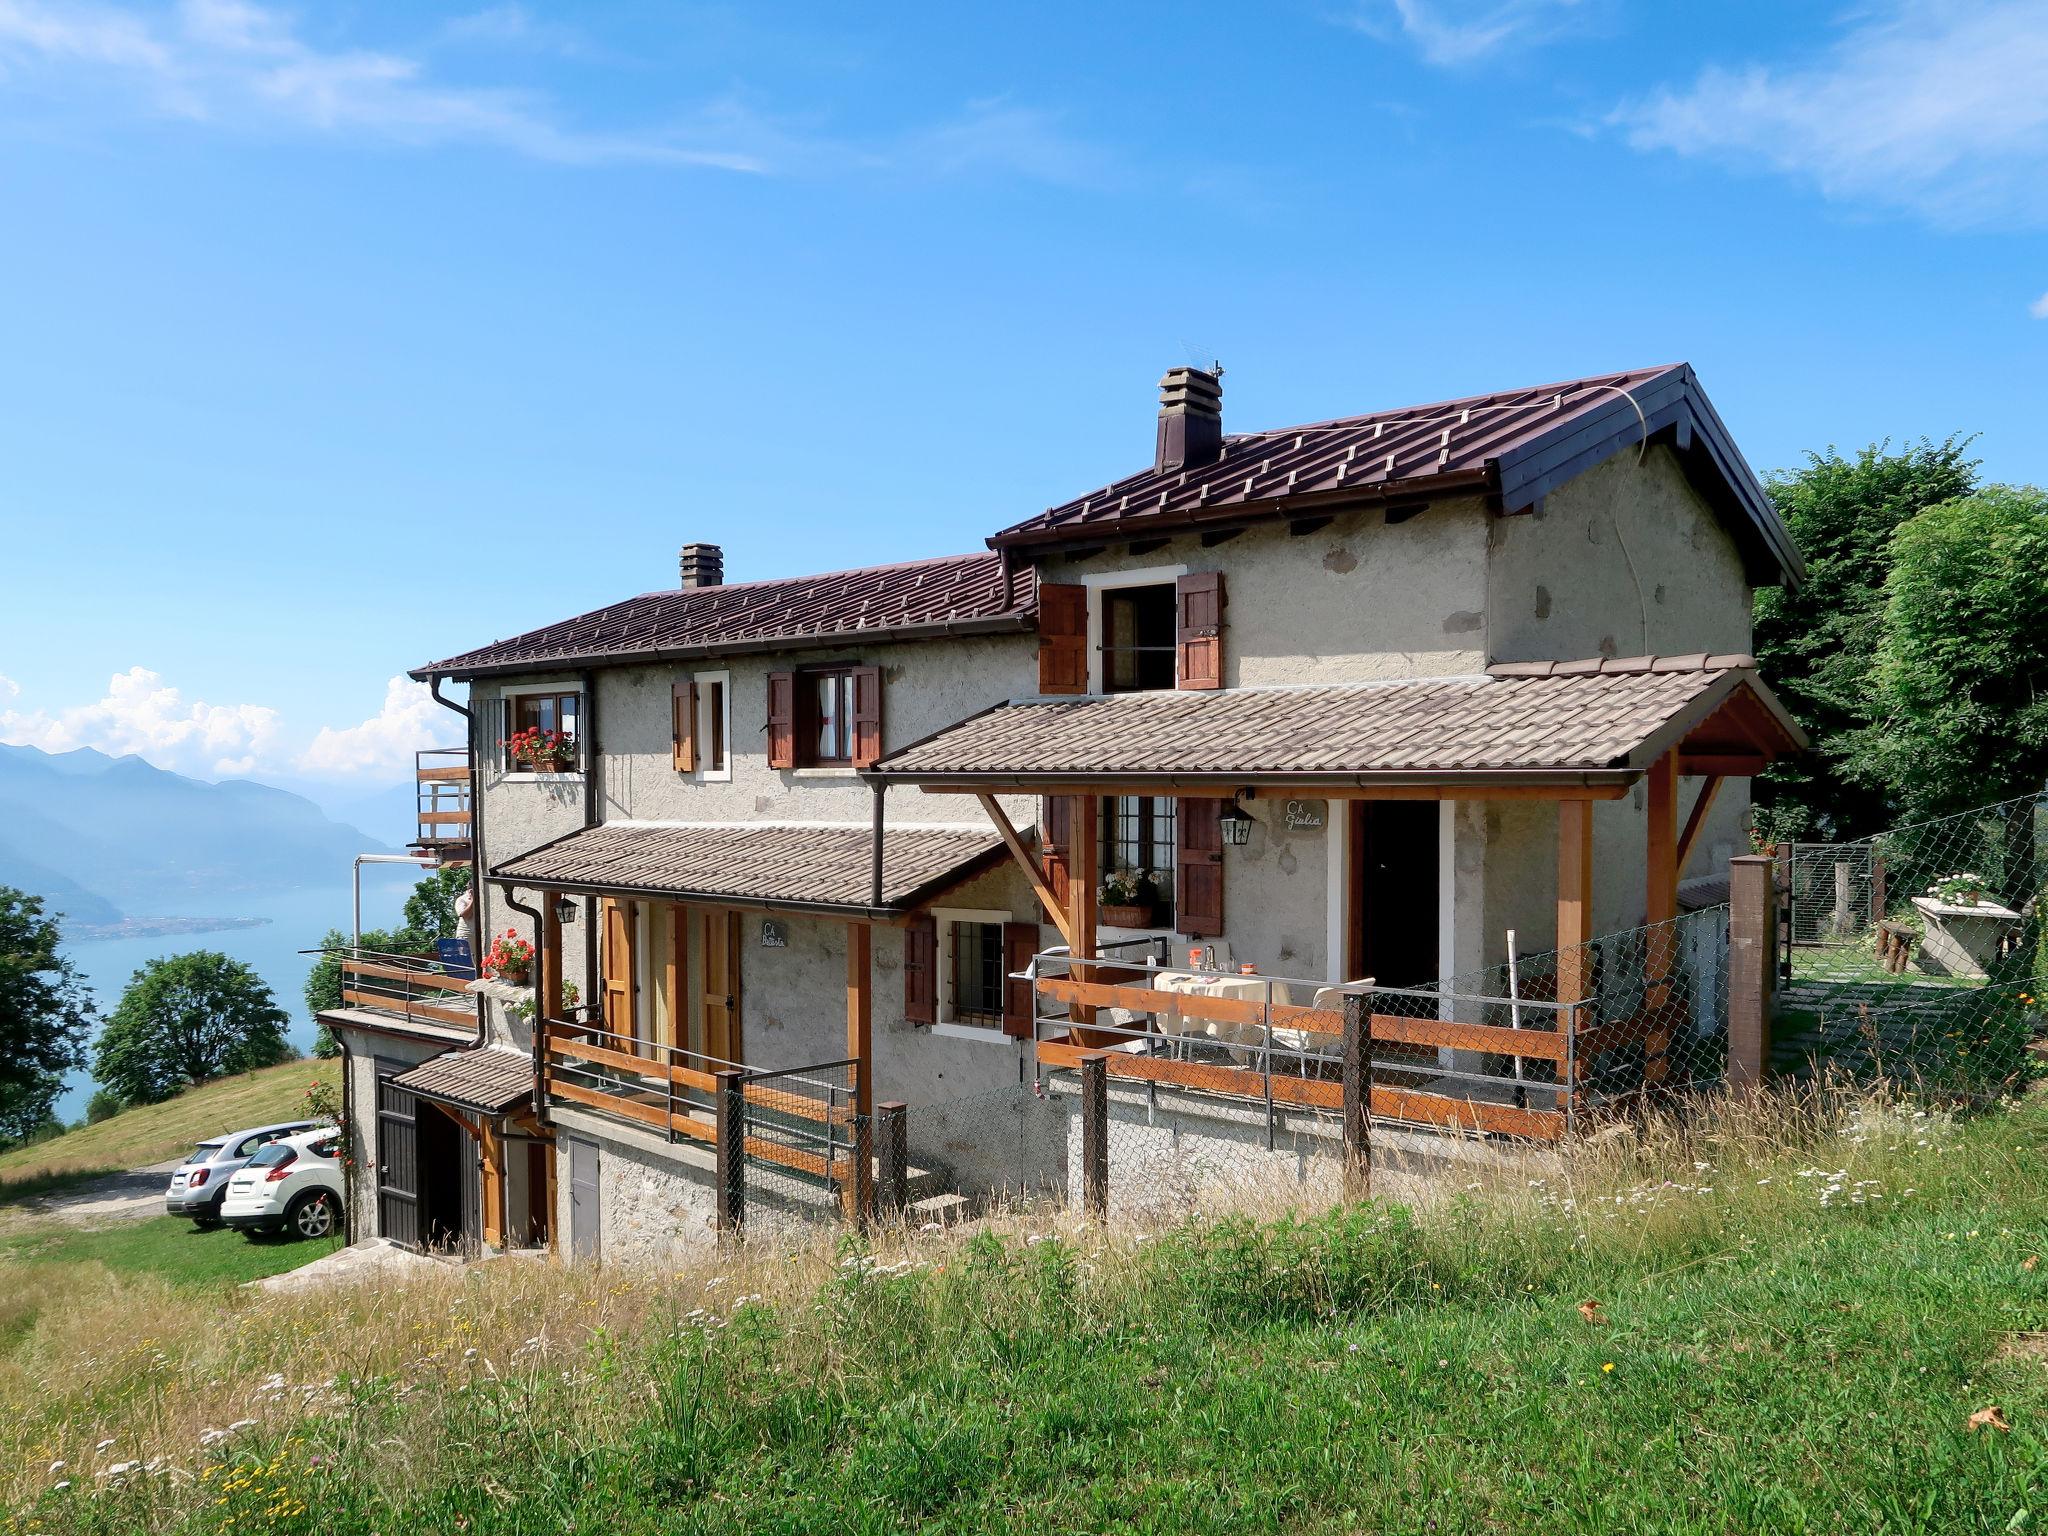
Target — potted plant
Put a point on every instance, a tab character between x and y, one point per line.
510	959
541	751
1958	890
1129	898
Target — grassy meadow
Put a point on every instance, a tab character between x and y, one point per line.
1779	1318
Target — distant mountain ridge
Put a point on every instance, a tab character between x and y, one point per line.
100	837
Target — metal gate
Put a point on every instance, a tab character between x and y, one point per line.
398	1159
583	1240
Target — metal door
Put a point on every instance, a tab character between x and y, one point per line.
583	1241
398	1159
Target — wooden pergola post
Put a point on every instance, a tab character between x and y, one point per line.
1082	884
1574	935
1661	909
860	1046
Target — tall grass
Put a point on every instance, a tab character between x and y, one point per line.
1773	1316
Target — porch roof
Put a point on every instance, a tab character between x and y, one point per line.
489	1081
792	866
1598	721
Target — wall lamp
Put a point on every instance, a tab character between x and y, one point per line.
1237	822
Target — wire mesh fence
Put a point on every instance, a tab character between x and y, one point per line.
805	1152
1916	955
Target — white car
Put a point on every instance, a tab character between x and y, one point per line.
293	1185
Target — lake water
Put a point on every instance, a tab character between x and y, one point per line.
297	920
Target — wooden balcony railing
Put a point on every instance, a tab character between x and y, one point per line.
441	788
415	987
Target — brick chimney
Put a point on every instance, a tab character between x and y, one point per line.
703	565
1190	419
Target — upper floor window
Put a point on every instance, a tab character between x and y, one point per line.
702	725
1138	632
825	717
825	724
542	732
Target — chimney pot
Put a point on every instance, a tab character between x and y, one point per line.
1190	419
703	565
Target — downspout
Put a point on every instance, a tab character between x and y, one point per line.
875	873
593	767
348	1205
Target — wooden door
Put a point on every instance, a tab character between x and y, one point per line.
719	996
617	968
398	1160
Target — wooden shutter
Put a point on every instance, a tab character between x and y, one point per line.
781	719
867	716
1055	830
1062	639
1198	867
683	725
921	969
1020	943
1201	630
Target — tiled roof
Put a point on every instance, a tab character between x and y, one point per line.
776	865
960	593
491	1080
1518	443
1594	718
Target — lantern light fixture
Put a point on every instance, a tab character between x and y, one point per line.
1237	822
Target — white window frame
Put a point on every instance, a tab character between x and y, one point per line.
1110	581
702	725
943	919
511	775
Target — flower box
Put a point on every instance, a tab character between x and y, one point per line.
1124	916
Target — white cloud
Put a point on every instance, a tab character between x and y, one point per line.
995	135
382	746
1938	109
233	63
1456	32
140	715
9	688
2038	309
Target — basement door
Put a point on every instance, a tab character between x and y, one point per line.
398	1159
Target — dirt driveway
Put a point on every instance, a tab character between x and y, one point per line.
132	1196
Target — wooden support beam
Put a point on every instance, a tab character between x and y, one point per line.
1082	856
1574	926
860	1046
1689	838
993	809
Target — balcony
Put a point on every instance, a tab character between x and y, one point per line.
441	787
426	995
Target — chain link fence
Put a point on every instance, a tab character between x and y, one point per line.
1917	955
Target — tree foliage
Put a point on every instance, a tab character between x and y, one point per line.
429	915
1817	645
186	1020
1959	690
430	909
45	1014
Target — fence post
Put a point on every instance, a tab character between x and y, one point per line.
892	1183
1095	1134
1357	1129
730	1114
1752	966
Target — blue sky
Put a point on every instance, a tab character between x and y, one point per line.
340	338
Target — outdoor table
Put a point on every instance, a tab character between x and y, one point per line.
1251	989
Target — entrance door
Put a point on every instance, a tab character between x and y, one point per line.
1394	845
721	985
617	961
447	1188
583	1241
398	1159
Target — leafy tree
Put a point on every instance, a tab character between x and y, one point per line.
430	909
45	1014
185	1020
1960	717
1817	646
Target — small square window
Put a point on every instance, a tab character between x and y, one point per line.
1140	628
977	974
555	714
825	717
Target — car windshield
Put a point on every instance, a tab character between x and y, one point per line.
276	1155
204	1152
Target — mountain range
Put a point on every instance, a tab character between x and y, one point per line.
104	839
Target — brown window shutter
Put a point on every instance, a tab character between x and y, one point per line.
683	724
1055	834
1198	868
1062	639
1020	943
867	716
1201	630
921	969
781	719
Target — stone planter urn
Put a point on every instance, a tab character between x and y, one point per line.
1961	941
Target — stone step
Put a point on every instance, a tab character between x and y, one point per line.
944	1209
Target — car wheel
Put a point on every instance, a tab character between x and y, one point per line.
313	1215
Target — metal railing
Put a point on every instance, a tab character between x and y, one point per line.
415	987
441	792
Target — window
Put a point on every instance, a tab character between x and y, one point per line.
1137	835
1139	628
825	720
557	712
713	693
977	973
702	724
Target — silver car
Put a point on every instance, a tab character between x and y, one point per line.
201	1182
